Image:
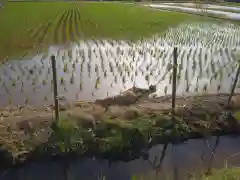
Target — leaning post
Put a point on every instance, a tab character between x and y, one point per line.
55	90
237	57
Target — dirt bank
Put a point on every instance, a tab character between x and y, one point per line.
29	131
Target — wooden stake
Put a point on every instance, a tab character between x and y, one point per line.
55	90
174	80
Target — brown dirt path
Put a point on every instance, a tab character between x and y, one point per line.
13	115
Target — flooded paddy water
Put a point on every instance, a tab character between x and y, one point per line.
89	70
96	69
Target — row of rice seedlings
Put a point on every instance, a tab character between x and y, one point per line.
42	37
75	24
204	34
125	68
121	74
65	25
77	21
57	28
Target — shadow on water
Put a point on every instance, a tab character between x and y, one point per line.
177	160
212	154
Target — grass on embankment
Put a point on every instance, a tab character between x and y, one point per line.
217	174
222	174
27	25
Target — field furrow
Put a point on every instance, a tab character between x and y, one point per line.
58	27
71	24
64	29
38	40
41	39
76	22
35	30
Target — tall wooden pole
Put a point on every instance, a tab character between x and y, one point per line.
55	90
174	85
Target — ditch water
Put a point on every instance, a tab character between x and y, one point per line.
96	69
198	155
217	10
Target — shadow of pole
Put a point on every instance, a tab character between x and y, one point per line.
65	166
209	169
202	154
174	163
157	168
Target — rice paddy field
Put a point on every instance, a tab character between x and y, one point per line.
41	24
104	48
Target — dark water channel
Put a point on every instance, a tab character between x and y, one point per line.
178	161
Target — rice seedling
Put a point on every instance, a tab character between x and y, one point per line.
62	80
116	79
132	78
34	82
170	79
147	77
49	70
105	74
205	88
22	87
124	79
215	75
9	100
44	82
136	73
81	69
165	90
89	67
80	86
26	100
97	83
65	89
65	68
14	82
77	96
69	54
72	79
52	84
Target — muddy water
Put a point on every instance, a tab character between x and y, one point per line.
197	156
96	69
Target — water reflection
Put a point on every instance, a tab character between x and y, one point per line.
177	161
96	69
